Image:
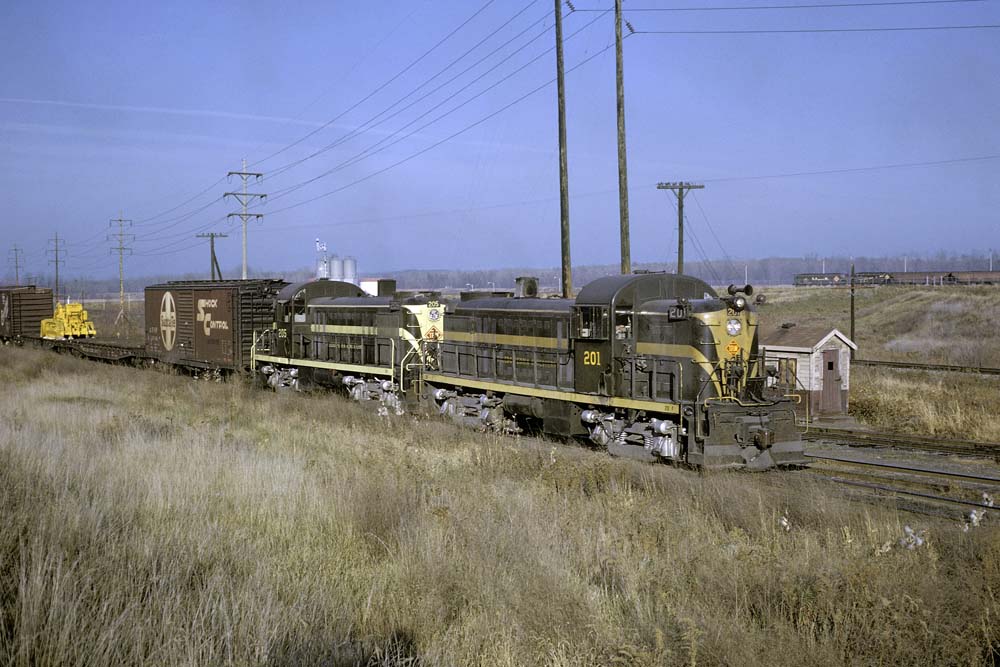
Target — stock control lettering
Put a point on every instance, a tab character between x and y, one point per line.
205	317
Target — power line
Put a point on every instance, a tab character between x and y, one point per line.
333	120
596	193
708	223
816	30
368	152
442	141
380	87
353	68
848	170
371	150
370	124
828	5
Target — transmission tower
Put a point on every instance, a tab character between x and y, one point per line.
680	189
58	246
121	237
15	259
244	198
211	236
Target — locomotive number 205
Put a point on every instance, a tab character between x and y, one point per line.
592	358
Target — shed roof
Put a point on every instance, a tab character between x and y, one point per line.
805	338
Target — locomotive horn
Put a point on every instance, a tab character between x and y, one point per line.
748	290
732	290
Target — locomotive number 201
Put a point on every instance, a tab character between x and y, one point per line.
592	358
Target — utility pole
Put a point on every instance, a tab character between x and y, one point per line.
121	237
15	258
680	189
211	236
567	268
245	198
622	162
852	308
58	246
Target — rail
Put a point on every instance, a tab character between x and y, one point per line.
903	441
896	479
953	368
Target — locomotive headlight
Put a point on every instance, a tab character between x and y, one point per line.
734	327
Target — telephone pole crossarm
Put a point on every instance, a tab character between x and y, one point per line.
680	189
211	236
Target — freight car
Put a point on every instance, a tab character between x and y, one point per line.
22	309
208	325
655	366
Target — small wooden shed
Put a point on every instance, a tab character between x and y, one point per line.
812	361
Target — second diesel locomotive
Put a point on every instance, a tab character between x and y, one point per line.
655	366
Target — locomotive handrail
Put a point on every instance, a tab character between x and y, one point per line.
738	401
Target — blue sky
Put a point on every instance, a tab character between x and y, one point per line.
139	107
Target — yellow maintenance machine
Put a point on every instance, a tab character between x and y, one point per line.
69	321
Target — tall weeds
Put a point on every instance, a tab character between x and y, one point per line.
153	519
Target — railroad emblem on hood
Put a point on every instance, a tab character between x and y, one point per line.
168	321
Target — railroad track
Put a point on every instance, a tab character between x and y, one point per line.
902	441
954	368
924	489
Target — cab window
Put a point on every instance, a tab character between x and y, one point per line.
591	322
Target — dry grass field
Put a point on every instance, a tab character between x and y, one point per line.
152	519
936	325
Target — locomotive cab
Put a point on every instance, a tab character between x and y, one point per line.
680	363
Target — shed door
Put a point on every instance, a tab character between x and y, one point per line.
830	399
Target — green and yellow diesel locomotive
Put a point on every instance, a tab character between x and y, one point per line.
650	365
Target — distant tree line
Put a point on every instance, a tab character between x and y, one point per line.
765	271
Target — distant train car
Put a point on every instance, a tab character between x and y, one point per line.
22	309
871	278
820	279
946	278
208	324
